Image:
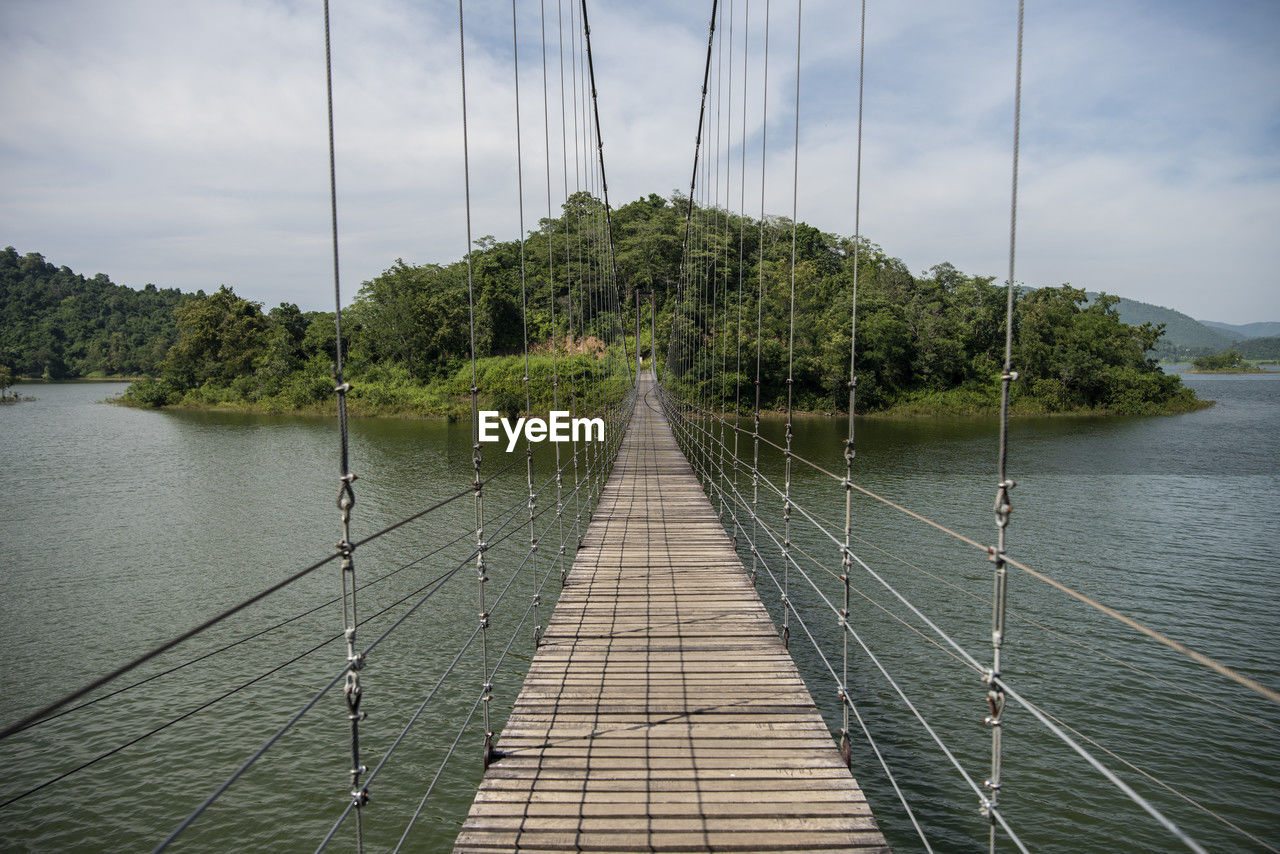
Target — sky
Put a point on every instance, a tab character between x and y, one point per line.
184	143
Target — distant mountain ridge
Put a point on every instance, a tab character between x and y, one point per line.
1245	331
1184	336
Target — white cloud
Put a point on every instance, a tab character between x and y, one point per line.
185	143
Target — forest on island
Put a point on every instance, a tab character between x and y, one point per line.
57	324
926	344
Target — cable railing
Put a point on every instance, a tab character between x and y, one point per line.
549	512
812	562
754	528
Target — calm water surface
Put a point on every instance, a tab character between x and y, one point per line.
123	527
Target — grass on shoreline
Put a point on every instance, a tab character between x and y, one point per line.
394	398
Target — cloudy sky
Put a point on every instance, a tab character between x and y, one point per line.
184	143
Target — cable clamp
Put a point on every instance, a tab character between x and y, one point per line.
484	620
346	497
357	661
359	797
1009	376
357	716
342	388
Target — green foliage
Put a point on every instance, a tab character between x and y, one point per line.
931	343
1260	348
57	324
1183	338
1230	361
220	338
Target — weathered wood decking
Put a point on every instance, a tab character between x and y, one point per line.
662	712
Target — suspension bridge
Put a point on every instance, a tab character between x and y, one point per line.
662	709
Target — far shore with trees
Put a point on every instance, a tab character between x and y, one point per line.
1230	362
928	344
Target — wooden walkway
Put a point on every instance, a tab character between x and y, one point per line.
662	712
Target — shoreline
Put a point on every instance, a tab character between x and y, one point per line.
73	380
901	412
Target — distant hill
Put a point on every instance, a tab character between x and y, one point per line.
1260	348
1184	336
56	323
1244	331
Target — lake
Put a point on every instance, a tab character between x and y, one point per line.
124	527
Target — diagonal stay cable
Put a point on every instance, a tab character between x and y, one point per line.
431	694
461	731
845	698
1056	720
898	690
209	703
239	772
1106	656
177	831
1102	769
1223	819
1036	712
292	721
247	638
399	738
1156	635
448	755
72	696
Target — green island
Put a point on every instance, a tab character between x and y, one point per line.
1230	362
927	345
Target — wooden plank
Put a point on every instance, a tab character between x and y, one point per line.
661	712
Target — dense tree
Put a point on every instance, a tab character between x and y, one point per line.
58	324
220	337
1231	360
925	343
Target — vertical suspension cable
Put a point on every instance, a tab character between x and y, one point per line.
742	234
755	430
590	279
351	689
612	273
585	398
551	304
715	465
575	406
689	264
846	560
532	500
791	346
702	297
995	691
478	483
724	349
